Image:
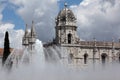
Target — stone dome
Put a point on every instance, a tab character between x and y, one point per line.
65	15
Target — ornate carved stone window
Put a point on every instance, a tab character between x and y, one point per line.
70	58
103	57
69	38
85	58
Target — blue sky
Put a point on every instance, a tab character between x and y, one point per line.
95	18
10	15
70	2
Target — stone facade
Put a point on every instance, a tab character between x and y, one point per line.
29	37
82	52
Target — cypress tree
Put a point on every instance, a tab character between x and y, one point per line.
6	48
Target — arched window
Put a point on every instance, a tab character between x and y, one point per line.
69	38
85	58
70	57
103	58
118	56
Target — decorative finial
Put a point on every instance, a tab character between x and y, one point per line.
65	4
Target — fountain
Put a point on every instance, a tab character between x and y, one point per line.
45	64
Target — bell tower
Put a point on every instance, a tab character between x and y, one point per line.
66	29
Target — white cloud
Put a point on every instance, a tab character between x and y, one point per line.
15	36
1	9
1	17
43	12
7	26
98	18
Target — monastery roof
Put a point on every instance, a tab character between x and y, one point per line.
65	12
91	44
100	44
66	17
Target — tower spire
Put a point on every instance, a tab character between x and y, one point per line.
32	37
26	28
26	31
25	37
32	25
33	29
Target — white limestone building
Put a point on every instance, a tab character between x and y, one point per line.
75	51
81	52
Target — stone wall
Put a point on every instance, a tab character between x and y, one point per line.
78	52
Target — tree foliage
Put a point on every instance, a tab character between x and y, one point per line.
6	48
